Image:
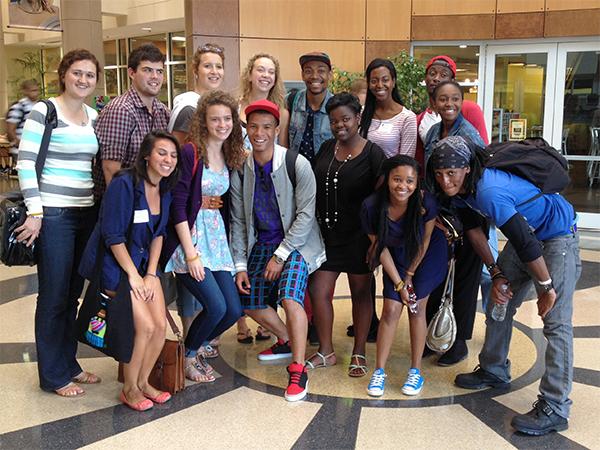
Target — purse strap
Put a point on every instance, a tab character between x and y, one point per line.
449	286
172	323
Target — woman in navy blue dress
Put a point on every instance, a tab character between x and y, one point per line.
400	221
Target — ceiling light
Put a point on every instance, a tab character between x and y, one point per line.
462	46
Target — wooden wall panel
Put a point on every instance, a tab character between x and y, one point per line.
438	28
520	25
585	22
212	18
562	5
303	19
388	20
452	7
232	58
513	6
384	49
347	55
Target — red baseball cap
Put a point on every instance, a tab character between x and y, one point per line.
442	60
263	105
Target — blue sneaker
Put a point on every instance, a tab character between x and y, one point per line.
377	383
414	382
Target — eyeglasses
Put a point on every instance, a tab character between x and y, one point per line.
207	48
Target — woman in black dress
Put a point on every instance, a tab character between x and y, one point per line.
346	169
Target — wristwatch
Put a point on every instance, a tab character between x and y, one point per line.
278	260
546	287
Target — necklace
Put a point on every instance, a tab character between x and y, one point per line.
330	222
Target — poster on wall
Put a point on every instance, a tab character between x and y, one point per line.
35	14
517	130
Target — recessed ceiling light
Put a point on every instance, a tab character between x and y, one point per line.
146	28
463	46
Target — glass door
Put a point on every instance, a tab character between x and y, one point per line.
577	125
518	77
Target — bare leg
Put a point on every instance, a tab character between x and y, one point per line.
321	283
242	326
362	309
297	327
386	332
269	319
156	343
418	332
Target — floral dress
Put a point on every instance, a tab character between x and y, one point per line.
208	233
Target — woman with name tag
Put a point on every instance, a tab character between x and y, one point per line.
132	223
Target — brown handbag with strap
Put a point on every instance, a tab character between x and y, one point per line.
168	371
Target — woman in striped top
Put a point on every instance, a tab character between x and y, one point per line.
384	120
60	211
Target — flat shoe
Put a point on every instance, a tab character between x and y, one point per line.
70	390
142	405
322	363
86	378
361	369
245	337
262	334
161	398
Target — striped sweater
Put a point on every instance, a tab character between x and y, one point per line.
67	175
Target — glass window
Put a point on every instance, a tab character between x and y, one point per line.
177	46
581	129
111	85
110	53
466	58
519	91
124	79
122	52
178	79
160	40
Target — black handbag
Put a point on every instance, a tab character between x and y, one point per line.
13	211
105	323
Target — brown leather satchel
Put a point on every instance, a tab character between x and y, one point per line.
168	371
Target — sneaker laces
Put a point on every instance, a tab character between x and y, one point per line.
295	376
377	379
413	379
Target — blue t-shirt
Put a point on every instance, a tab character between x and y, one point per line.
500	195
266	210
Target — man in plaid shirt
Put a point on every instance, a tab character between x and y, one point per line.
123	123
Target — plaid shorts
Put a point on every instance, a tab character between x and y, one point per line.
290	285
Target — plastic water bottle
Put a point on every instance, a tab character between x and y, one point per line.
499	309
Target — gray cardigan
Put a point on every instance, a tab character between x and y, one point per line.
296	209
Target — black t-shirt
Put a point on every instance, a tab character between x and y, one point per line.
356	181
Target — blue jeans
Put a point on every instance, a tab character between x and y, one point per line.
561	255
61	243
220	303
486	280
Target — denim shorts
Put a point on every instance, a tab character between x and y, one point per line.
290	285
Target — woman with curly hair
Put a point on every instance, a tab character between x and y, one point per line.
260	80
197	250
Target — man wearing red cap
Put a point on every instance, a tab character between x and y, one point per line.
275	240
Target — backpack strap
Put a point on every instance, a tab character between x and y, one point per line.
196	159
50	122
291	98
290	165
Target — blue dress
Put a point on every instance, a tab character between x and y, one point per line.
432	269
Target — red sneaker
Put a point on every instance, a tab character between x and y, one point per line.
279	350
298	384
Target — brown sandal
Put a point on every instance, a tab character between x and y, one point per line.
245	337
262	334
86	378
70	390
196	373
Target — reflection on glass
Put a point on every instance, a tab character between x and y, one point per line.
581	129
178	79
122	52
160	40
110	53
178	46
519	91
467	64
125	81
111	86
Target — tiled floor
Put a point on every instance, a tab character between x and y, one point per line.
244	408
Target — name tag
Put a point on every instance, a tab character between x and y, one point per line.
141	216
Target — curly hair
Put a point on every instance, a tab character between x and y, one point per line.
277	92
207	48
233	147
70	58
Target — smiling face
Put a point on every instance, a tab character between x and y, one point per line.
452	180
148	78
219	122
316	76
263	75
402	182
262	130
209	73
448	102
344	123
162	160
80	79
435	75
381	83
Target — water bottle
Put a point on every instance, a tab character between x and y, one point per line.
499	309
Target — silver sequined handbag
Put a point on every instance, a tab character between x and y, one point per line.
441	332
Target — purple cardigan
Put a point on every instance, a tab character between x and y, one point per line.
187	199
